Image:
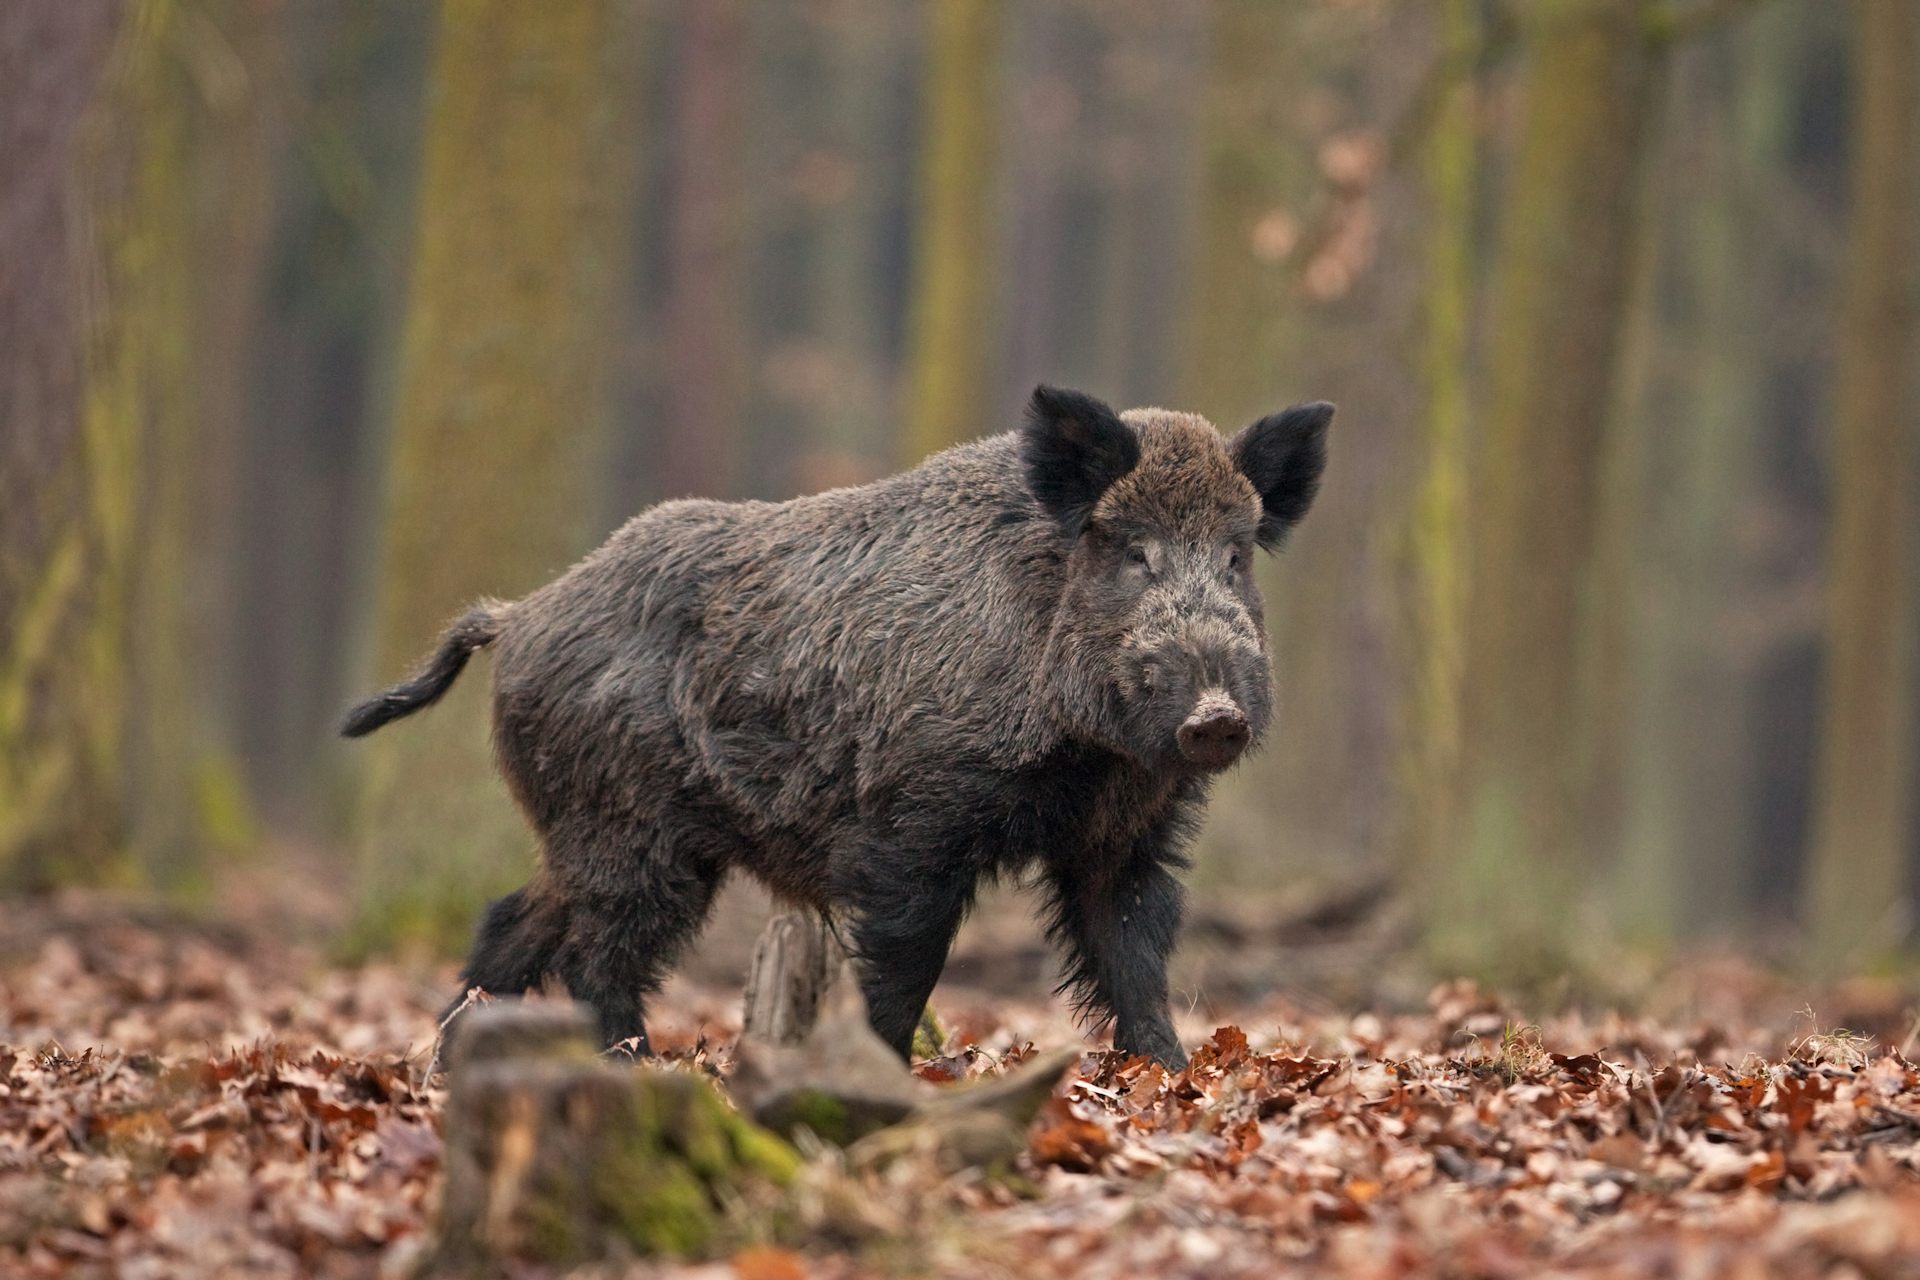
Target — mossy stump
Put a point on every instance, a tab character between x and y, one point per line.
556	1156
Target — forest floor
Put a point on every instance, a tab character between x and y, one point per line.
178	1098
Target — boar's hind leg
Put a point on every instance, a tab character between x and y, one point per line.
1118	927
514	947
620	944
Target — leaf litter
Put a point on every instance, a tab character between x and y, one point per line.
185	1102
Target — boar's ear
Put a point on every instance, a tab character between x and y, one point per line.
1283	454
1073	448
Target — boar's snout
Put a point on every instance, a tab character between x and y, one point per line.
1215	734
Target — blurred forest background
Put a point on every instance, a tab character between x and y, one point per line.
321	318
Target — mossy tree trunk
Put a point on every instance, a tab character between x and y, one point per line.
507	354
1863	805
1559	304
118	654
194	107
951	338
66	471
1437	600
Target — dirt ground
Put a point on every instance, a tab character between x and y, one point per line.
184	1098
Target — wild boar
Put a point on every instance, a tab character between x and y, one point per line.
1029	653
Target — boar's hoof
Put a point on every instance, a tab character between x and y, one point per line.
1162	1046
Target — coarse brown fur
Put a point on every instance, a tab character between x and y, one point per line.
1032	651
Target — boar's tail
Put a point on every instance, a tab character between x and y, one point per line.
475	630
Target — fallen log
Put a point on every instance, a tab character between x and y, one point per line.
844	1085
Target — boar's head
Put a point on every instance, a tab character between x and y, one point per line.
1158	647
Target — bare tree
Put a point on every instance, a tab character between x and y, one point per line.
508	349
66	500
1559	306
951	328
1863	816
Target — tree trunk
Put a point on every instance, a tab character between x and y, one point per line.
1257	339
950	360
1689	790
1242	312
66	470
314	448
1144	136
175	186
1863	814
1437	608
1559	304
204	126
706	257
507	354
851	425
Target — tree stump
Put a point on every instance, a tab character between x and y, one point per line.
556	1156
794	961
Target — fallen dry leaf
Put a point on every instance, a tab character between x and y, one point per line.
172	1103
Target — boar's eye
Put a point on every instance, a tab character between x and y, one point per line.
1136	556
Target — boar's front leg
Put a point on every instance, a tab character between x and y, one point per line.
904	913
1118	926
